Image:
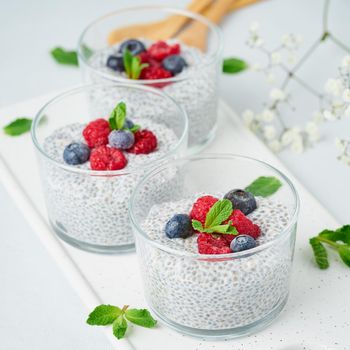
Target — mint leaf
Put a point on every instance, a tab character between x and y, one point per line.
127	60
103	315
341	234
118	116
132	64
344	252
141	317
135	128
264	186
197	226
119	327
18	127
63	56
234	65
218	213
224	229
320	253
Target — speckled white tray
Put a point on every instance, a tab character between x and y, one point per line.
316	316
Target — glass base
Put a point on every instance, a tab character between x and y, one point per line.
223	334
93	248
199	147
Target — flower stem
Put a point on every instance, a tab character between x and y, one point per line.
325	240
125	307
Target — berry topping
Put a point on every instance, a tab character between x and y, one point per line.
145	142
128	124
76	153
243	224
107	158
96	133
242	200
122	139
174	64
161	50
209	244
115	62
179	226
154	72
146	58
134	46
242	242
201	207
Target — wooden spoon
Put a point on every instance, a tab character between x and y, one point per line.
196	33
160	30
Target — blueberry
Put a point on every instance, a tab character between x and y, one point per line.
179	226
134	46
242	200
128	124
242	242
121	139
174	64
115	62
76	153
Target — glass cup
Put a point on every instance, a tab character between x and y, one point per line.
196	88
213	296
88	208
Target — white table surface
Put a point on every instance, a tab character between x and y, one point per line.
39	309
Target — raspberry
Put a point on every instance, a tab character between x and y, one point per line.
153	73
96	133
243	225
161	49
209	244
145	58
107	158
145	142
201	207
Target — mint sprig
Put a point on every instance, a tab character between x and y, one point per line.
217	214
132	64
18	126
117	118
338	239
63	56
104	315
233	65
264	186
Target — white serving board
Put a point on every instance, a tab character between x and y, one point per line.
316	315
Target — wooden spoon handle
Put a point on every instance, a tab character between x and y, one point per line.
218	10
236	5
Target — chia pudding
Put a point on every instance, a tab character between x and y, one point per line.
192	77
214	264
94	166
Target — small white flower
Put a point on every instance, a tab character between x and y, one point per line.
288	137
317	117
291	41
248	117
277	95
297	144
267	115
275	58
344	158
340	144
346	62
313	131
346	95
329	115
256	67
270	78
275	145
270	132
292	58
258	42
334	86
254	26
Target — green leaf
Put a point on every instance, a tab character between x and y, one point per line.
141	317
127	60
119	327
320	253
18	127
197	225
234	65
103	315
63	56
341	234
344	252
264	186
224	229
118	116
218	213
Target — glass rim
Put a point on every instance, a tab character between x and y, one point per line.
141	233
63	95
212	57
